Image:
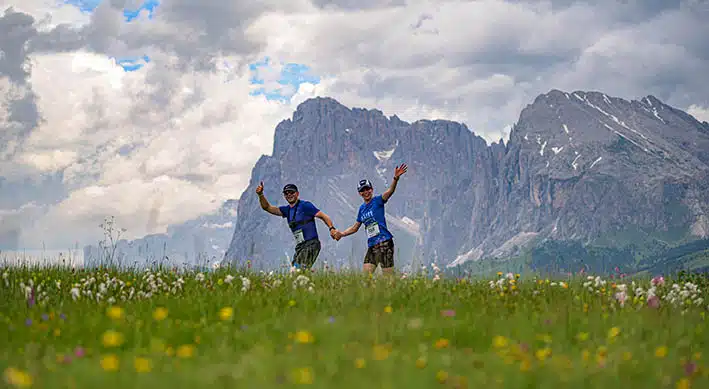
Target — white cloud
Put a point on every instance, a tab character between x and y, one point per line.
699	113
182	134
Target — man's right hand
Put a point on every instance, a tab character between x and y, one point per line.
259	189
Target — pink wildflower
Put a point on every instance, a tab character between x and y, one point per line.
658	281
653	302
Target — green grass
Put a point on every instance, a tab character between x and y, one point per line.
348	332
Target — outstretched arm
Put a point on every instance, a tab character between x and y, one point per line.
351	230
264	202
326	219
397	173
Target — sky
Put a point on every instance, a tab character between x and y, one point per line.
155	112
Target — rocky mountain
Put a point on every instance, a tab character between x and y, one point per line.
579	166
200	241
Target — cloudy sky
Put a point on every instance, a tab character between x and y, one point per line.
120	107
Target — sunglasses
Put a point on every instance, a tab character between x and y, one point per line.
364	189
288	192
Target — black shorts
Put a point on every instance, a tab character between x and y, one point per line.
382	254
306	253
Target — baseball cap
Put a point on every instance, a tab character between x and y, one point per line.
290	187
363	184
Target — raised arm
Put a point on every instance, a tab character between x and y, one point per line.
397	173
264	202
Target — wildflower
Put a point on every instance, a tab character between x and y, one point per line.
421	362
661	351
304	337
682	383
17	377
112	339
499	341
582	336
185	351
448	313
360	363
226	313
442	376
228	278
160	314
441	343
387	309
613	332
303	376
79	352
110	363
380	352
115	313
658	281
142	365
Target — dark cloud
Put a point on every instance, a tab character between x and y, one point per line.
16	29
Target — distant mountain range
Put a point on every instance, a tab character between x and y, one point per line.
586	181
201	241
581	168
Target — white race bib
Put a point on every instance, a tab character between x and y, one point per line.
298	235
372	230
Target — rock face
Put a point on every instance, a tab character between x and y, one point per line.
578	166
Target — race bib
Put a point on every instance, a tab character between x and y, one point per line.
299	238
372	230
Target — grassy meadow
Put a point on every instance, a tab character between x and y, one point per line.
238	329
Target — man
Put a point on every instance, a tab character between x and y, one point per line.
300	215
380	241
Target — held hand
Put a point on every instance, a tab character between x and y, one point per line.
259	189
337	235
399	170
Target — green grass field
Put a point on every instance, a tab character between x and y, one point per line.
113	329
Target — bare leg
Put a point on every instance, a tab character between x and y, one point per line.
369	268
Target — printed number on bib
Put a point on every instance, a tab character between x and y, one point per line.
299	238
372	230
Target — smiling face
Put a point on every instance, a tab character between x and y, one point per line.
366	194
291	196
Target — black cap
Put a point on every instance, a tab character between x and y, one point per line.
363	184
290	187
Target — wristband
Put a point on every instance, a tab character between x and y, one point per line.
332	228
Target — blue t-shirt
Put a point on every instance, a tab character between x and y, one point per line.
296	215
372	216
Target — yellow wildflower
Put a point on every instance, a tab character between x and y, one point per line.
421	362
303	376
499	341
582	336
661	352
142	365
304	337
380	352
291	303
185	351
360	363
115	313
525	365
112	338
543	354
442	376
160	314
18	378
226	313
613	332
441	343
683	383
109	362
387	309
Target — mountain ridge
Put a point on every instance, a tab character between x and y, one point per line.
507	193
